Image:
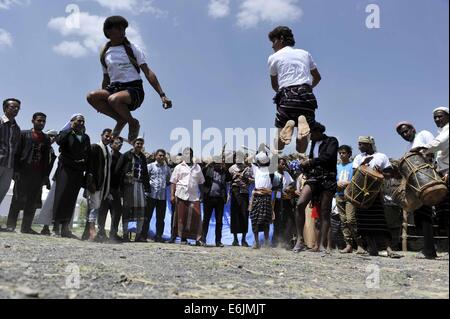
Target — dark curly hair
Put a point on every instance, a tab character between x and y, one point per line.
283	33
114	22
319	127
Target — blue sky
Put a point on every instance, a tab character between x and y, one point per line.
211	59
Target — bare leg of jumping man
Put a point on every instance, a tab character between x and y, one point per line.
119	103
99	100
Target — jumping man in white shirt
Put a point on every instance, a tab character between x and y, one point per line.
122	90
293	76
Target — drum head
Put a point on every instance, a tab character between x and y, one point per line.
366	170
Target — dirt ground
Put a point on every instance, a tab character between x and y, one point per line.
47	267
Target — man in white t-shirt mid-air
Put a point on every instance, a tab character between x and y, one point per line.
294	74
122	88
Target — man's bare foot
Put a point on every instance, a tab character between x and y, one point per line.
361	251
286	132
347	250
302	135
134	128
315	249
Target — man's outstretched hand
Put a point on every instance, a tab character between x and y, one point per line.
167	103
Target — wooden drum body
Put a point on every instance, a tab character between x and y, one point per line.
365	187
422	179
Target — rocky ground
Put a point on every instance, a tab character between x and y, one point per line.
46	267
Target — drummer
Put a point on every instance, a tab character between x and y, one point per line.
372	221
440	146
422	215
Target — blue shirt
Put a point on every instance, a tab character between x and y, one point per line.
344	174
159	179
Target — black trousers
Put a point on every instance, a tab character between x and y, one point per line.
114	206
239	211
25	195
160	206
284	219
68	185
217	204
423	221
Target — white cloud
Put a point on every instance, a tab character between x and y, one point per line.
72	49
6	4
5	39
219	8
134	6
85	33
251	12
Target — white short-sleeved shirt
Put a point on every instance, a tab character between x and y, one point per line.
379	159
439	146
421	139
292	66
187	179
120	69
262	177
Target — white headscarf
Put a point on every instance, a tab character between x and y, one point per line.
441	108
69	124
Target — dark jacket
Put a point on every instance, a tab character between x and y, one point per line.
96	167
208	173
328	153
24	152
125	165
73	153
115	177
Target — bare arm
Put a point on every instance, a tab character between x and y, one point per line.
274	81
153	80
316	77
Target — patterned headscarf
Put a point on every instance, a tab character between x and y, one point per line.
368	140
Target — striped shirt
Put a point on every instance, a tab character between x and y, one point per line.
159	180
9	140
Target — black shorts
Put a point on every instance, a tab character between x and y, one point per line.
135	89
320	185
293	102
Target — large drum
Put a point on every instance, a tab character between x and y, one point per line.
405	197
365	187
422	179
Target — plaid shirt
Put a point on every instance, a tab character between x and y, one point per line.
9	140
159	180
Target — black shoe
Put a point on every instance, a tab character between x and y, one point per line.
45	231
68	234
140	239
235	243
245	244
200	243
30	232
115	238
172	241
220	245
126	238
101	237
158	239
